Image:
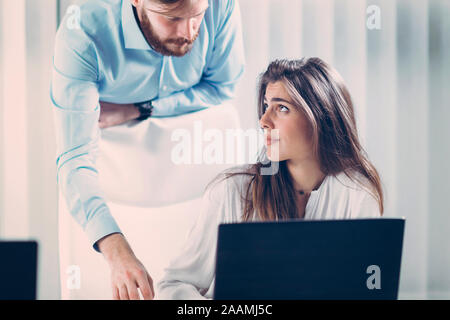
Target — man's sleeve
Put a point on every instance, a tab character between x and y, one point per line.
75	98
223	70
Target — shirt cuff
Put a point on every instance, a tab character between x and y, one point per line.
100	226
163	107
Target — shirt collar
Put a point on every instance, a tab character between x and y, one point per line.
133	37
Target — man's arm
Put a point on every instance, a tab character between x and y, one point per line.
114	114
75	97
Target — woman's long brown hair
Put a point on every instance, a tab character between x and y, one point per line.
318	91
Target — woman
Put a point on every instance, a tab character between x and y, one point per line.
308	119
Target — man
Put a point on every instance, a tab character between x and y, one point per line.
141	58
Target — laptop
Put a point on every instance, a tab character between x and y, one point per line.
314	259
18	268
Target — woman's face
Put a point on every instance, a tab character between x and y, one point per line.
287	131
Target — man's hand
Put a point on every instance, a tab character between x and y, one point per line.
127	272
114	114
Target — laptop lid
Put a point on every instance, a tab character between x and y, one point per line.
314	259
18	268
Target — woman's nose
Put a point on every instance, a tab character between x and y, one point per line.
266	122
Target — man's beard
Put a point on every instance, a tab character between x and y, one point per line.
182	45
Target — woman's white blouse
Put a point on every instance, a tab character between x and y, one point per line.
191	274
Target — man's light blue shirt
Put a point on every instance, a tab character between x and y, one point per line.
106	58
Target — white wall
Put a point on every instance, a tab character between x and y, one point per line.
27	177
400	82
438	274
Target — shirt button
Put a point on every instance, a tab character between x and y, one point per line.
164	88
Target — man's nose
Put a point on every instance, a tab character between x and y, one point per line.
189	27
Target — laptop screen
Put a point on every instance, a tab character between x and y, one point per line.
18	268
320	259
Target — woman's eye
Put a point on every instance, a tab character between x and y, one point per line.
265	106
283	108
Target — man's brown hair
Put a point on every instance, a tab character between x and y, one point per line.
173	5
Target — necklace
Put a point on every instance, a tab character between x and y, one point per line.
302	192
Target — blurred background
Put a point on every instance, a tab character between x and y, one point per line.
394	56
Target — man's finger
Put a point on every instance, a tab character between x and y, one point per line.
132	291
146	287
150	280
123	292
115	292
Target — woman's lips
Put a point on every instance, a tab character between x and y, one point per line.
269	141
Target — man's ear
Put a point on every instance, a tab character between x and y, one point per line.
135	2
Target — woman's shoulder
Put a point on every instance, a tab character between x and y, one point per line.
232	180
226	193
353	182
355	190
